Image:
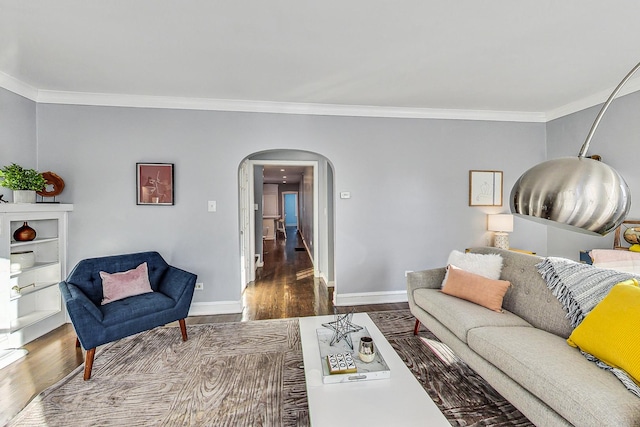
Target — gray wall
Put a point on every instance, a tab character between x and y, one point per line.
330	228
616	140
18	143
408	180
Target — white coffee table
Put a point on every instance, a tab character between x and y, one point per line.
396	401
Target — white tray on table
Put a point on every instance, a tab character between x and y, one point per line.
375	370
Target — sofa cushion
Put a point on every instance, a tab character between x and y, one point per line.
475	288
558	375
459	315
134	307
529	297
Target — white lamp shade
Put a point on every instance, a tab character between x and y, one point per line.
500	222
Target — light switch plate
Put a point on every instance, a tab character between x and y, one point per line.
212	206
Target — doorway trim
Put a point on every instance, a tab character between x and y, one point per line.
247	201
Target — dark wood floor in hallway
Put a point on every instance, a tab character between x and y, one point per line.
285	287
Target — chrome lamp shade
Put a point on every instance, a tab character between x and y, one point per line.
575	193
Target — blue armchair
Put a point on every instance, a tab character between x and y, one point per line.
97	324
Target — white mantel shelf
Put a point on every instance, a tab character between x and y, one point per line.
35	207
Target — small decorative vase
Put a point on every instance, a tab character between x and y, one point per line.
24	233
366	351
24	196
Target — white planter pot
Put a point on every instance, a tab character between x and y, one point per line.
24	196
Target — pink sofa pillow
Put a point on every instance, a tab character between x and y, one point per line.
478	289
117	286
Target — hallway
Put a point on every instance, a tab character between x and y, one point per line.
285	286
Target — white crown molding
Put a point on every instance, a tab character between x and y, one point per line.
139	101
18	87
180	103
591	101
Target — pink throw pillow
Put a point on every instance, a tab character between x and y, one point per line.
117	286
488	293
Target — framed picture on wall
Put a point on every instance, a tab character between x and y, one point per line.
485	188
154	184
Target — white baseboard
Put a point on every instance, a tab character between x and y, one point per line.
323	277
370	298
217	307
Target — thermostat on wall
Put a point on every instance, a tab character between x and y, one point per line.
345	194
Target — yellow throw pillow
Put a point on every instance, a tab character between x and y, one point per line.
475	288
632	281
635	248
611	331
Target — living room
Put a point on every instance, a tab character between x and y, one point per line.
406	176
87	91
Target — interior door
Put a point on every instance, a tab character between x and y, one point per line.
291	209
246	250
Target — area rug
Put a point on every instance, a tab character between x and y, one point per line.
242	374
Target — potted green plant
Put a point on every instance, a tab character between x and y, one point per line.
23	182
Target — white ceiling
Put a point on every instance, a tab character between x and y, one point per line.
546	57
284	174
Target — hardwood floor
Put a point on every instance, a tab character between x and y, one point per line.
284	288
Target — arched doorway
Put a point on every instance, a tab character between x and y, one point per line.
315	207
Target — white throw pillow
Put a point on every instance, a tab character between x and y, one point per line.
486	265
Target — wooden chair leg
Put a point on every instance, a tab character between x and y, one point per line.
183	329
77	342
416	328
88	362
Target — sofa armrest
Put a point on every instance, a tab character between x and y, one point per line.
175	282
425	279
430	279
78	304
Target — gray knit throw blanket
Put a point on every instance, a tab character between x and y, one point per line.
579	287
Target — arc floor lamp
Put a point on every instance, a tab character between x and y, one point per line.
576	193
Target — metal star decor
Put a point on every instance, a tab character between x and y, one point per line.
342	328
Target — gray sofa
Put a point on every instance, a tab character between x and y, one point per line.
523	352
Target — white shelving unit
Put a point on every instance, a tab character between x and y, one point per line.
31	303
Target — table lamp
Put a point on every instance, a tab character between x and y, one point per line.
502	225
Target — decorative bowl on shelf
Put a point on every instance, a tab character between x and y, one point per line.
22	260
